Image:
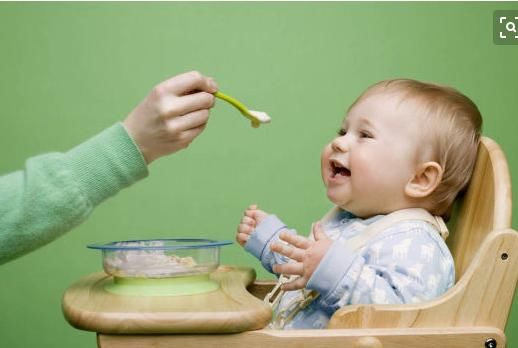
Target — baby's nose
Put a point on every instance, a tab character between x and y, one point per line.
340	144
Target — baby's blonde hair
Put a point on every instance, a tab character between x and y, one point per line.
452	123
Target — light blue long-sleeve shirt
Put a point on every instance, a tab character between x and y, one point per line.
406	263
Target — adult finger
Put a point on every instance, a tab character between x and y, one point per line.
295	240
288	251
186	137
191	120
291	268
296	284
188	82
180	106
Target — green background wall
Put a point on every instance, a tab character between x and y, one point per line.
67	71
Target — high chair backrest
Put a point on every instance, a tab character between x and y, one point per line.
485	207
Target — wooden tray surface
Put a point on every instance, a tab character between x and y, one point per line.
231	308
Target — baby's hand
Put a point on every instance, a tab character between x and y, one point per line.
251	218
174	113
306	253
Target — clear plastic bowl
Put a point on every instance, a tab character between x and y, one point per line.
160	258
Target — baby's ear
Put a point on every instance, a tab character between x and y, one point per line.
426	179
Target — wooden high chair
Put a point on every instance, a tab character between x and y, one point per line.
471	314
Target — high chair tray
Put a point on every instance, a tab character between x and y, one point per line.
87	305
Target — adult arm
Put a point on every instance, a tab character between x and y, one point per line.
57	191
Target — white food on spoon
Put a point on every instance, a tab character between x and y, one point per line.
260	116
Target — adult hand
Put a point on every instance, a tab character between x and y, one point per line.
306	253
174	113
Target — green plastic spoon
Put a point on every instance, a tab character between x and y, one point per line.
256	117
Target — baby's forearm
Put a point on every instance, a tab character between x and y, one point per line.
262	237
393	270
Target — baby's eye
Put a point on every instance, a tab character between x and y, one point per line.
341	132
365	134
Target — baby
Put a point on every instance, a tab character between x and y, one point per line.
403	153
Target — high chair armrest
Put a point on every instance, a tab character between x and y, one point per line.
260	288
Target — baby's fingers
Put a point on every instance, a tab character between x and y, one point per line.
244	228
256	214
296	240
242	238
288	251
291	268
253	212
299	283
318	231
248	221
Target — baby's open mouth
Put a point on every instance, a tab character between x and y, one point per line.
339	169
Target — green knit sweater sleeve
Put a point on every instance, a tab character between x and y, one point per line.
57	191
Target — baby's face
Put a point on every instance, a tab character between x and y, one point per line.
366	167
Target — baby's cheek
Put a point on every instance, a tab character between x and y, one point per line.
365	172
362	164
